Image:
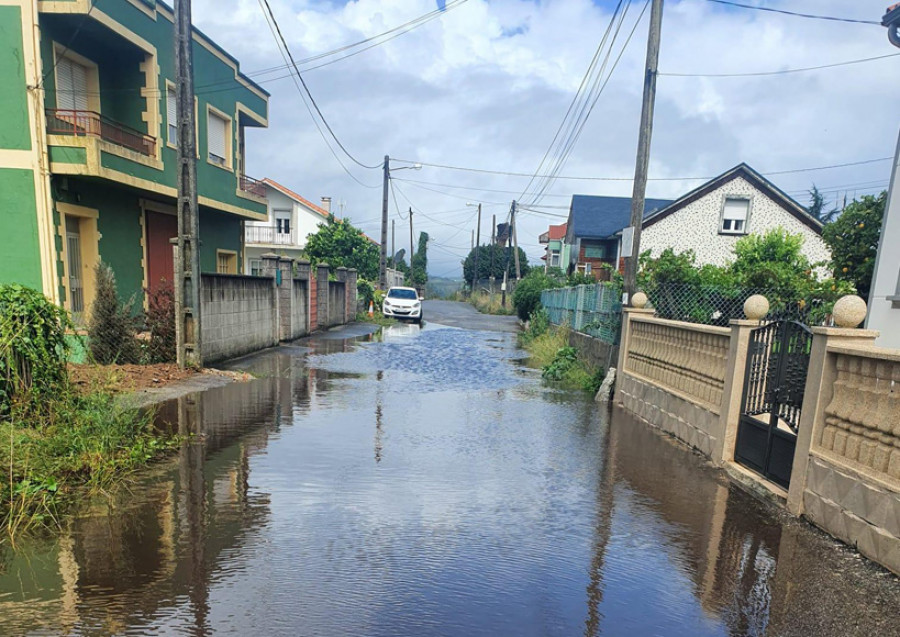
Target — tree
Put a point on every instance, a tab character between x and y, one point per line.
340	244
853	239
496	255
817	207
418	264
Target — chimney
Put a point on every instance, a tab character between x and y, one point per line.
326	204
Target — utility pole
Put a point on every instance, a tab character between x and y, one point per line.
412	247
188	342
512	211
642	165
472	241
477	249
393	237
382	264
515	240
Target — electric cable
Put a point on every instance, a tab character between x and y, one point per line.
794	13
784	71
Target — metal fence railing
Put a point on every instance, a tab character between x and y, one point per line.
595	310
718	305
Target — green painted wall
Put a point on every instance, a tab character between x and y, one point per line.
219	232
121	79
66	155
15	128
20	260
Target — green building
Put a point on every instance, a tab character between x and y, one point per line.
88	147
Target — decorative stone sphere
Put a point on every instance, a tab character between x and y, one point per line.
849	311
756	307
639	300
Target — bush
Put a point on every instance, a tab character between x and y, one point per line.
538	324
112	327
161	325
365	291
33	348
853	240
527	295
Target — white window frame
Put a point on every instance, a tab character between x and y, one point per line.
91	95
256	267
554	258
171	115
732	230
226	163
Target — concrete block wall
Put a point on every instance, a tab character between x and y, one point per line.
322	315
239	315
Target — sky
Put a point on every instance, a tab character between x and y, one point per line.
485	85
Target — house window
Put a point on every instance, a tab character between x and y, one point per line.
587	268
256	267
71	85
594	252
226	262
554	259
734	216
283	225
172	114
217	139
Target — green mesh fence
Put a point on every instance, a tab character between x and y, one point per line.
595	310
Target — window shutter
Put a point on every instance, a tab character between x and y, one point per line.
172	115
71	86
736	209
217	136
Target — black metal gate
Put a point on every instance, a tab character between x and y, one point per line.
777	365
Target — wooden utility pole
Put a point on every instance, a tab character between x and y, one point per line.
512	211
412	247
382	263
188	342
515	240
477	248
642	165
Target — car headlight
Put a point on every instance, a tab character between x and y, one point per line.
416	305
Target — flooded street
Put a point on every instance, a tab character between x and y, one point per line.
428	483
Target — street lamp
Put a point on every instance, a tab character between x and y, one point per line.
892	21
382	265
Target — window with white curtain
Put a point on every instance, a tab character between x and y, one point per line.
71	85
734	216
217	139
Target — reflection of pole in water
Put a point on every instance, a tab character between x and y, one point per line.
605	502
379	411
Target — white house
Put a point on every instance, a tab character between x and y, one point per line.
291	220
884	298
712	218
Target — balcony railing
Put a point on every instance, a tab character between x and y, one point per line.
253	186
268	235
91	124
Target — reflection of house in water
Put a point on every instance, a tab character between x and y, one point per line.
158	543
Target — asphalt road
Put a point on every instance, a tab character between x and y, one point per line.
464	315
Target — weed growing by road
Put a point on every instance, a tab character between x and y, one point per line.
560	363
488	303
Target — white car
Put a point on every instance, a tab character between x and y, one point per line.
402	303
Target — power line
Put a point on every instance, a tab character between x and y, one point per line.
431	183
61	54
783	71
794	13
629	179
287	51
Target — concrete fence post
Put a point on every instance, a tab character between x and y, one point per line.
817	395
625	342
730	409
322	310
269	270
285	289
302	270
352	279
342	276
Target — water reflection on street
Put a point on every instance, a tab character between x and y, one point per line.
424	483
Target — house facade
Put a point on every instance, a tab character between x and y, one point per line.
593	232
556	253
88	147
290	220
711	219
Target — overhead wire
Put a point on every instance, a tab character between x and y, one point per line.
61	54
795	14
783	71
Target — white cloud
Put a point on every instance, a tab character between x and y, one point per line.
486	85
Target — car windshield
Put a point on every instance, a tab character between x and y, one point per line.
402	294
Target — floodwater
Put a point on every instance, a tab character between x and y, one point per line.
430	484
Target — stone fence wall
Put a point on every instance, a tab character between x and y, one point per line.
688	380
244	314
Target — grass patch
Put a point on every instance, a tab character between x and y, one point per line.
376	319
487	303
85	443
560	363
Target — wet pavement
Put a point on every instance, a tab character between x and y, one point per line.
428	483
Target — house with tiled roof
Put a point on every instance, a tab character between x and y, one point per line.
709	220
291	219
556	253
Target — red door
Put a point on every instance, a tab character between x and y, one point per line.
161	228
